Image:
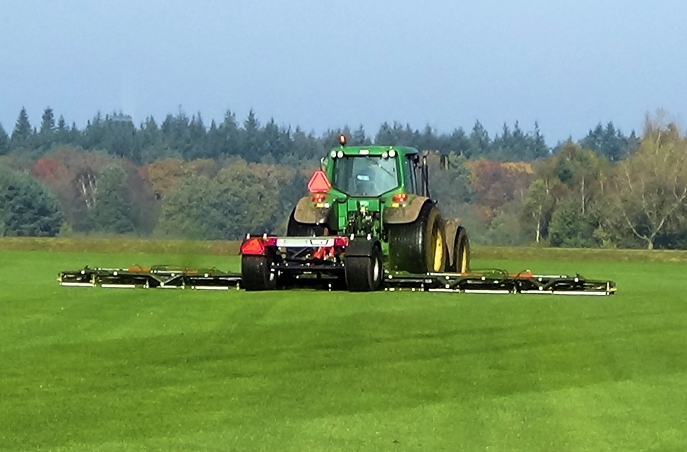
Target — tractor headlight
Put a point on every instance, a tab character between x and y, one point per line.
385	155
339	154
392	153
333	154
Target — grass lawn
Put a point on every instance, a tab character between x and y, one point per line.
86	369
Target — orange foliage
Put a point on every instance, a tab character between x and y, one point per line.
44	168
496	183
163	175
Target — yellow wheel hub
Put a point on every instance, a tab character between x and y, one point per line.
438	252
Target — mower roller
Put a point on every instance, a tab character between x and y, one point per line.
368	223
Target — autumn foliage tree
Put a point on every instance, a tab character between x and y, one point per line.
163	175
496	183
73	175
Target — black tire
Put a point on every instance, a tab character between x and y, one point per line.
296	229
461	252
420	246
365	273
257	273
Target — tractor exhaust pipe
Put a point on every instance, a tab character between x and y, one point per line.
424	168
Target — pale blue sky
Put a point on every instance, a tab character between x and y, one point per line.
323	64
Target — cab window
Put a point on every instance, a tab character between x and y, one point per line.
365	175
409	175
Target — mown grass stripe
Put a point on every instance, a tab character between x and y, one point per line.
96	369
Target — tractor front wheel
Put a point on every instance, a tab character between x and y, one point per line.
365	273
257	273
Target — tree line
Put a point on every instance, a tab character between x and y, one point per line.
185	179
189	138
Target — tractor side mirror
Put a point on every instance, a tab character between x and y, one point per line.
323	164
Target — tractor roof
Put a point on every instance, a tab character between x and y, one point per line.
375	150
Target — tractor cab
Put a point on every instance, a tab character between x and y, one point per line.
372	171
360	189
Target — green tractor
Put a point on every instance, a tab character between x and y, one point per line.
375	200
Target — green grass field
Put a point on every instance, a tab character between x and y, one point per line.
117	370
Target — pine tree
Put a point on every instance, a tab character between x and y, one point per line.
275	144
614	143
4	141
539	147
594	139
502	146
119	136
229	135
458	142
197	135
22	130
385	135
75	135
47	135
27	207
62	132
480	143
359	138
427	139
251	139
47	121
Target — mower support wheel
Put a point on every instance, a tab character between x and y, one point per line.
257	273
365	273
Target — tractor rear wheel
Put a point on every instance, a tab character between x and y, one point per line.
365	273
257	272
461	252
420	246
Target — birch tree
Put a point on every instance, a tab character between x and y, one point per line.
652	184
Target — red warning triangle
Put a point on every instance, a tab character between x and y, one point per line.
319	183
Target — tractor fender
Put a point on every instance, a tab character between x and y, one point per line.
306	212
361	247
406	214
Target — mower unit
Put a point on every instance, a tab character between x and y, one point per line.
328	274
160	276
